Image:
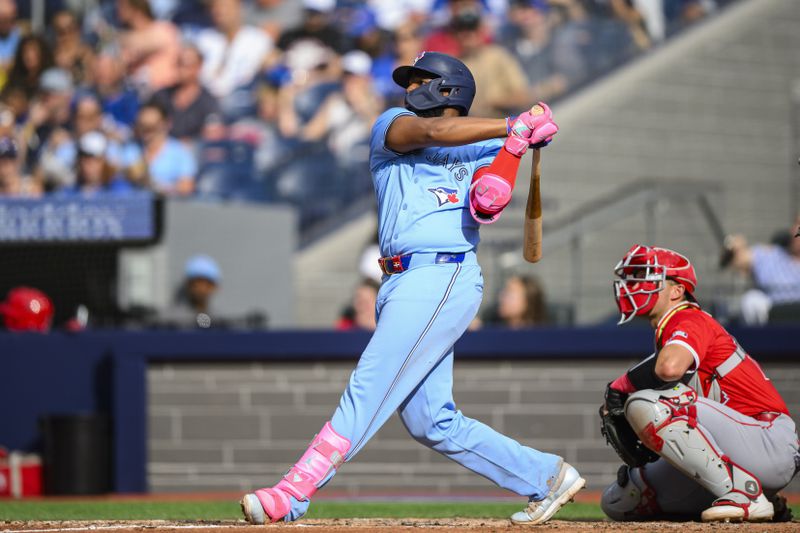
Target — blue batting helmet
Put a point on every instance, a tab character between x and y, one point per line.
452	84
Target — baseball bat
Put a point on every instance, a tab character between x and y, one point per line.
532	240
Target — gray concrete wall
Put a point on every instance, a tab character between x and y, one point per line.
253	245
231	426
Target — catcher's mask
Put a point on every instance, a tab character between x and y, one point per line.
452	84
642	273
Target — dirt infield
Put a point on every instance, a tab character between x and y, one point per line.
450	525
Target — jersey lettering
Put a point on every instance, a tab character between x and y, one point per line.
456	167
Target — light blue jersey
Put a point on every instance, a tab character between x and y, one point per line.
407	367
423	195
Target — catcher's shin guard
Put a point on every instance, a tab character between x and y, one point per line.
317	465
666	422
630	497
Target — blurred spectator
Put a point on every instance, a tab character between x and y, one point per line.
15	99
458	13
360	314
233	53
680	13
187	102
149	47
171	166
26	309
408	45
316	25
32	59
504	86
94	174
12	182
193	309
108	81
548	42
391	14
311	80
10	35
261	130
57	158
8	122
775	270
521	303
345	118
627	12
49	114
653	18
273	16
165	9
69	51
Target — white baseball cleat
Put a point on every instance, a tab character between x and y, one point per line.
736	507
565	487
252	509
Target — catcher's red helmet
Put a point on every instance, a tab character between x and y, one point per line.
27	309
641	274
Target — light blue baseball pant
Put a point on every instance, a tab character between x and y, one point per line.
408	367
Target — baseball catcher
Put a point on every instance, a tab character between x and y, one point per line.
702	430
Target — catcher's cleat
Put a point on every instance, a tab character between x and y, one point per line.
563	490
782	512
736	507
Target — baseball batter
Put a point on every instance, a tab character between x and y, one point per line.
438	174
721	438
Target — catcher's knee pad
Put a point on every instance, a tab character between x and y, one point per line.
630	497
666	422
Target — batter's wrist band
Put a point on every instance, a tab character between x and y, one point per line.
509	121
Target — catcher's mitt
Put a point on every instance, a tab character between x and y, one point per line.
619	433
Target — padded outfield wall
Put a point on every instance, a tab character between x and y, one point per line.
231	411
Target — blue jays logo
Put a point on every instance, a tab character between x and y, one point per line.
420	56
445	195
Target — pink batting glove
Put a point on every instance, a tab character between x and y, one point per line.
530	128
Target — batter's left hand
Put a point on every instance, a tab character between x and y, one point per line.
536	127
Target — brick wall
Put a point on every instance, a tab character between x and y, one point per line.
237	426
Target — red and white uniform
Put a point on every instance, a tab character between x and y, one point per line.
749	423
744	388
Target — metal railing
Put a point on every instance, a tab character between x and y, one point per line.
573	228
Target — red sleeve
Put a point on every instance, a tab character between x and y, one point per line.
505	164
688	329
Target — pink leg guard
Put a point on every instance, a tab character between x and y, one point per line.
325	454
488	196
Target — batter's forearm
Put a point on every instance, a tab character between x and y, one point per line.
409	133
455	131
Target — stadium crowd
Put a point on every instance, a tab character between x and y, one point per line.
271	100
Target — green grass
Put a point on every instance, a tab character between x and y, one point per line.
229	510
